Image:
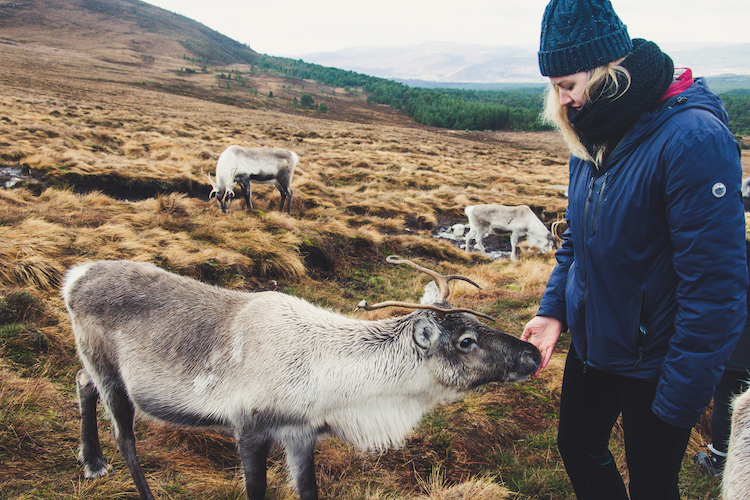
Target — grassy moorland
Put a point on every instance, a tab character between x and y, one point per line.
103	136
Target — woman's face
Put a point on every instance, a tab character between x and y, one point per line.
571	88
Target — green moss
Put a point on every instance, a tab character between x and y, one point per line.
23	346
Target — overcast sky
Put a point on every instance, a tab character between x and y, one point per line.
291	28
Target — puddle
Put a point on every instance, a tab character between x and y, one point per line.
11	176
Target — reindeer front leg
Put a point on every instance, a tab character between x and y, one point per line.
246	192
254	448
300	457
514	236
90	452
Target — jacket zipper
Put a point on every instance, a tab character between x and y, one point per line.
594	224
589	194
599	203
597	170
641	339
642	330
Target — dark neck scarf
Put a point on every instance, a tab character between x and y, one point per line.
603	122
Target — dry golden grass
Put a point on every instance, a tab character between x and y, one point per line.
485	488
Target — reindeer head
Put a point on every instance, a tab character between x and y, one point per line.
544	244
223	195
459	350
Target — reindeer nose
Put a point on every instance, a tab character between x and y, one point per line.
529	360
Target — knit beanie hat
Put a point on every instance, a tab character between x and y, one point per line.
578	35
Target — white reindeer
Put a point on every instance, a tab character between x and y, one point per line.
268	366
735	481
238	164
519	220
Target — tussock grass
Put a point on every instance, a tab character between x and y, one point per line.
33	416
482	488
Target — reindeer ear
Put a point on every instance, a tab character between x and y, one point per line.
431	294
425	333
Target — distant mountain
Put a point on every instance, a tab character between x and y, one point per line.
442	62
437	62
121	31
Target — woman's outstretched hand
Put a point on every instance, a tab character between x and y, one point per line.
543	332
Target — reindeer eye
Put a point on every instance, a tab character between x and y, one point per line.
466	342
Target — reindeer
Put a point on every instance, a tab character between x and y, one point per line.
519	220
243	165
735	481
270	367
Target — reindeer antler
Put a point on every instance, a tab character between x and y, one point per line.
441	311
555	225
213	185
442	282
207	176
227	192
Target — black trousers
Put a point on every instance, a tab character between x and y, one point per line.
589	407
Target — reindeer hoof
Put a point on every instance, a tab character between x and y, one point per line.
98	467
94	472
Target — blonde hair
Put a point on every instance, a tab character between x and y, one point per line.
603	81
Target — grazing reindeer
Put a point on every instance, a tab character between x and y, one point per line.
519	220
268	366
242	165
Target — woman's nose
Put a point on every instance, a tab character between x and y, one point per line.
565	98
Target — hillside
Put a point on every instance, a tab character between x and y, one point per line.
127	32
102	146
75	46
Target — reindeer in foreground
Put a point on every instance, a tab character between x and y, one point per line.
268	366
735	481
242	165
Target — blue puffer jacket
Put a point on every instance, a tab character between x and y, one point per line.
652	276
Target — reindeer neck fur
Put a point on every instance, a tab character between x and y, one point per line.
356	394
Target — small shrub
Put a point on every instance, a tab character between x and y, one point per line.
19	307
306	101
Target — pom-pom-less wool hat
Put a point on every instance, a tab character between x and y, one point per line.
578	35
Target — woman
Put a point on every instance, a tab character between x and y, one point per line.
651	279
